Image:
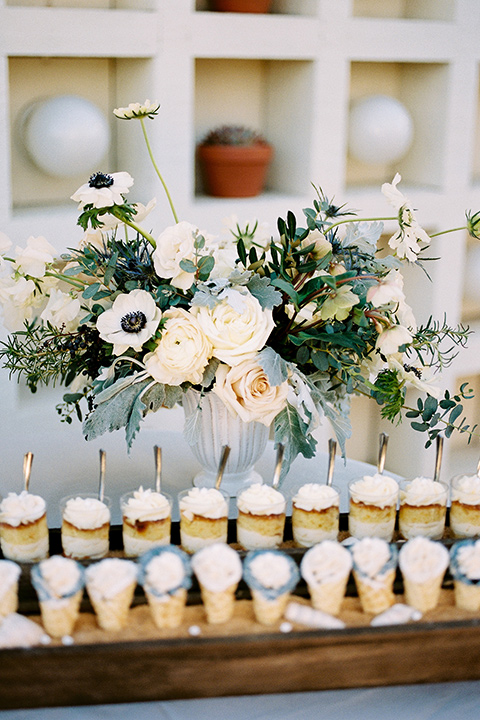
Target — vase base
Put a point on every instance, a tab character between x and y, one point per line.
232	483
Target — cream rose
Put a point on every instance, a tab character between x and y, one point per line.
174	244
246	392
236	336
182	352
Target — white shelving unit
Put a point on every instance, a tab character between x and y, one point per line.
292	74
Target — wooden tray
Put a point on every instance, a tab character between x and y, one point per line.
143	663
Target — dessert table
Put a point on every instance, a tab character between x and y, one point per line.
414	701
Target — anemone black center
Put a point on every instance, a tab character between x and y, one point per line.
100	180
416	371
133	322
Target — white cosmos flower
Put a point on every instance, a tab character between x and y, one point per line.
130	322
103	190
62	310
174	244
389	341
32	259
422	377
136	110
407	238
183	351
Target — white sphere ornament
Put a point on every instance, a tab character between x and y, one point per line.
65	135
380	130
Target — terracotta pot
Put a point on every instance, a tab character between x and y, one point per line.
245	6
234	170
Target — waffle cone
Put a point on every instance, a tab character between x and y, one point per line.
218	606
268	612
423	596
167	612
60	620
328	596
112	613
9	600
467	596
377	597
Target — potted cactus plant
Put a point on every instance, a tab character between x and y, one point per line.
234	160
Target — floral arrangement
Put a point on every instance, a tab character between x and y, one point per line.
284	329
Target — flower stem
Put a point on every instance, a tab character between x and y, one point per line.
147	142
350	220
136	227
444	232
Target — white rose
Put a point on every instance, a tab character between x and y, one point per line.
182	352
32	259
236	335
62	310
174	244
246	392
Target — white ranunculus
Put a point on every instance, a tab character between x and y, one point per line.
183	351
62	310
246	392
390	340
388	290
32	259
236	334
174	244
103	190
130	322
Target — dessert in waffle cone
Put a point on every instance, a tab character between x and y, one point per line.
374	569
58	582
110	586
326	569
23	527
271	576
165	574
423	563
218	569
465	569
9	575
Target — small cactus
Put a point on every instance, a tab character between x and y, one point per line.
233	135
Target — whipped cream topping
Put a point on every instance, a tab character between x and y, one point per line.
206	502
143	505
314	496
217	567
423	491
375	489
21	509
164	573
370	555
261	499
86	513
9	574
58	576
422	559
109	577
468	559
466	489
326	562
270	570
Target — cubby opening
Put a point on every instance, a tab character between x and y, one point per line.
414	9
255	93
422	89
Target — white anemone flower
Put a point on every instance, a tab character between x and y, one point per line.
130	322
422	377
103	190
406	241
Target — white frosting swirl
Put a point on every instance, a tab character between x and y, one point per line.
422	559
21	509
109	577
466	489
270	570
325	563
375	489
468	558
86	513
60	575
423	491
217	567
260	499
206	502
164	573
145	505
370	555
314	496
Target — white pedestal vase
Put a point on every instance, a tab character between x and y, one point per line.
218	427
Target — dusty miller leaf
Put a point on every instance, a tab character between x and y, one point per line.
290	430
273	365
266	295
